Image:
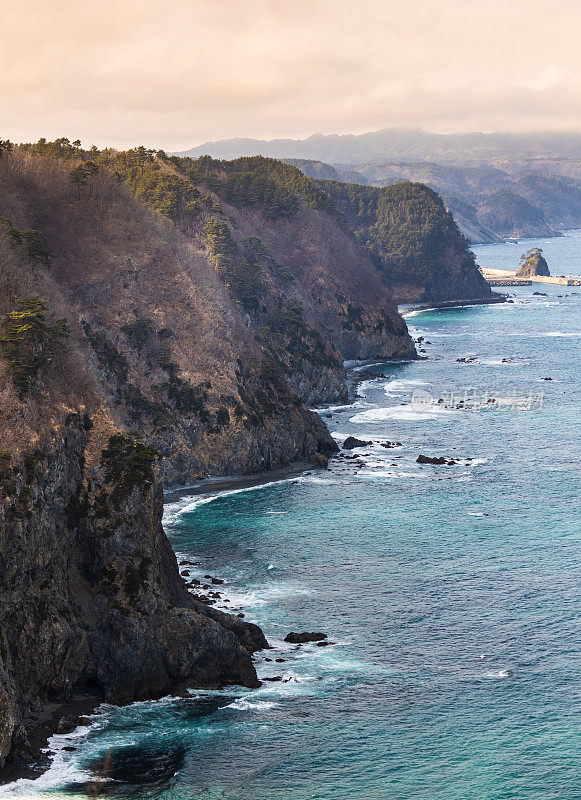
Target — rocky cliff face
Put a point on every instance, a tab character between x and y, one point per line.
190	343
533	263
92	602
211	328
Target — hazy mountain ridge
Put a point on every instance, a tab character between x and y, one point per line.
466	169
542	203
405	144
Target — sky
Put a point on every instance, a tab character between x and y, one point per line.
176	74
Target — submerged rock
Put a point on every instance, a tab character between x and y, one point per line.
67	725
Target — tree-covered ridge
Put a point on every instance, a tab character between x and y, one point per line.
180	189
146	172
274	188
405	226
175	186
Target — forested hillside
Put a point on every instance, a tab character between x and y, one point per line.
493	201
415	242
472	173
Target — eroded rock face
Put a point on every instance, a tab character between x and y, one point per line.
533	263
91	600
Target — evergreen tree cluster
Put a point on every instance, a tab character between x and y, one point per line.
265	184
405	227
31	341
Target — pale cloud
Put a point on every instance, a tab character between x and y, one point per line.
174	75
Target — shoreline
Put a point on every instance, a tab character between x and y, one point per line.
46	723
227	483
47	720
405	309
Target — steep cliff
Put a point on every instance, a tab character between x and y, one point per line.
272	274
416	244
91	601
155	328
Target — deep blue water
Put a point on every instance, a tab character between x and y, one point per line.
451	592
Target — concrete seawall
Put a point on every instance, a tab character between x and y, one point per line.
494	275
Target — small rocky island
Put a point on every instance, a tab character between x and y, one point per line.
533	263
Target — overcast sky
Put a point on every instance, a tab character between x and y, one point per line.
175	74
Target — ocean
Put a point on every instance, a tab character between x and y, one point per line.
449	593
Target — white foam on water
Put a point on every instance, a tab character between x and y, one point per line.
396	387
63	769
317	479
242	704
361	367
531	335
561	333
501	673
172	511
323	409
387	473
364	386
252	598
416	311
405	412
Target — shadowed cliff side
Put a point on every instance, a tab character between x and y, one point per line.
158	327
91	601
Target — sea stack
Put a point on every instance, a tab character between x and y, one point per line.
533	263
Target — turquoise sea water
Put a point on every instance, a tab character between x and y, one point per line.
450	593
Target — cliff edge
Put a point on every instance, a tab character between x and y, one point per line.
161	321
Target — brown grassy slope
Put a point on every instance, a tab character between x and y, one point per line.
115	260
337	283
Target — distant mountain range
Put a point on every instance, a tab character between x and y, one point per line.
497	185
488	203
401	144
